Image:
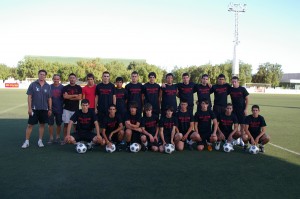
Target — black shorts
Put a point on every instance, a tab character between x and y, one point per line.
83	136
136	137
57	117
39	116
167	139
189	137
205	138
218	110
101	116
240	116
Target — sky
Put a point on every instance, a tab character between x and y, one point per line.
166	33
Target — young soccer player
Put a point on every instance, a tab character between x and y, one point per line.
226	121
134	89
121	98
168	94
150	129
186	91
185	131
86	120
167	128
255	129
203	91
203	121
112	128
132	123
88	92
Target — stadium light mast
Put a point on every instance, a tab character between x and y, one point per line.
236	8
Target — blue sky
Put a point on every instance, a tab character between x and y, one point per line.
164	32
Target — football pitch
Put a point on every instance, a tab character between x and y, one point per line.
59	172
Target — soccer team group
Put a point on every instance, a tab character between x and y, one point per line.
147	114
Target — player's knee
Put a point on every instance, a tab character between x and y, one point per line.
245	138
213	139
180	146
196	137
200	147
154	148
143	138
161	149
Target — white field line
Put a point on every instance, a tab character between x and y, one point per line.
285	149
9	109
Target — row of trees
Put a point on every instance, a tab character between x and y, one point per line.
28	68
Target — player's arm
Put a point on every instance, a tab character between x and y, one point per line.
104	135
246	129
147	134
96	104
191	128
173	134
221	135
114	100
29	101
156	134
69	128
161	133
235	129
215	123
49	106
135	126
76	97
160	98
262	132
120	127
246	106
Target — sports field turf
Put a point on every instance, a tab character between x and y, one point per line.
59	172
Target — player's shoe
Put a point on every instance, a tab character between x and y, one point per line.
245	147
261	148
209	147
242	142
90	146
144	148
25	145
217	146
40	143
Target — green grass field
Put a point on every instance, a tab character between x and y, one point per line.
59	172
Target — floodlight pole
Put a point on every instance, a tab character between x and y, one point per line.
236	8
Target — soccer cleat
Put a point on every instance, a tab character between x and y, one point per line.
217	146
242	143
261	148
209	147
90	146
190	147
144	148
245	147
25	145
40	143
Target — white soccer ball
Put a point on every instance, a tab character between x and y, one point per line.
253	149
227	147
135	147
169	148
110	149
81	148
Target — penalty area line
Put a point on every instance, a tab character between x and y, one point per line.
285	149
4	111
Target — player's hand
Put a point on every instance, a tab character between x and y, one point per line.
30	112
68	139
256	140
209	85
164	143
252	141
151	138
163	85
172	142
155	139
184	138
245	112
49	113
109	144
109	137
229	138
222	136
96	111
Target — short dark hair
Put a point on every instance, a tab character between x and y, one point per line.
221	76
119	79
255	106
152	74
205	101
90	75
169	74
229	104
147	106
185	74
112	105
105	72
85	101
169	108
183	101
204	75
72	74
235	77
42	71
133	104
134	73
58	75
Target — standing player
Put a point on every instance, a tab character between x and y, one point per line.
240	100
150	129
220	90
86	120
255	129
72	94
203	91
105	96
185	128
132	123
112	128
121	98
168	94
88	92
57	108
167	128
226	121
151	93
39	107
186	91
203	120
134	89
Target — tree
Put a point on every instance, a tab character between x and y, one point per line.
4	72
268	73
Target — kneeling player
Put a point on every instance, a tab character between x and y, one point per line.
167	128
185	128
86	120
132	123
203	121
255	129
149	126
112	128
225	122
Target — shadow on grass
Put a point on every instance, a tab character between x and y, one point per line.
59	172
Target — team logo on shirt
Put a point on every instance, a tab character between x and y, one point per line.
37	89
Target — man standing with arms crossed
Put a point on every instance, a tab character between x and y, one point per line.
39	107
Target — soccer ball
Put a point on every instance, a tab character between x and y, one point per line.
169	148
110	149
81	148
227	147
253	149
135	147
